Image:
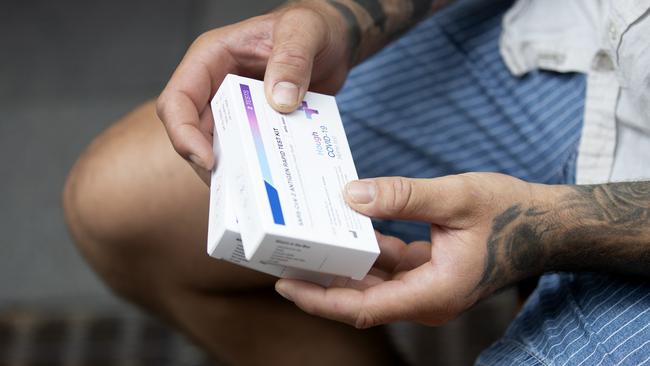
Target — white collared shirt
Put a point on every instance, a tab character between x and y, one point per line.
609	40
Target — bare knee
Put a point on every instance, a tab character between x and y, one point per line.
91	199
138	213
95	210
105	197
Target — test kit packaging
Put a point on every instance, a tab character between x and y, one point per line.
224	241
284	175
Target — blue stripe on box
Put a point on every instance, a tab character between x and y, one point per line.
274	201
271	192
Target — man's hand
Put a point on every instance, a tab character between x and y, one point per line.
487	232
308	44
430	282
296	46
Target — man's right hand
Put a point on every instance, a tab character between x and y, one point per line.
297	46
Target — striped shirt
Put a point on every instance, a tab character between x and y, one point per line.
441	100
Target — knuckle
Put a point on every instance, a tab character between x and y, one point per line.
291	56
364	320
399	195
302	15
202	40
176	135
474	199
464	182
179	147
468	188
161	106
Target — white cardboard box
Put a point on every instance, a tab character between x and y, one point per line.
224	241
285	174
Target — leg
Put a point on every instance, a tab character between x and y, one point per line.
139	215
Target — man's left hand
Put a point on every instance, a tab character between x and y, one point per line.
484	236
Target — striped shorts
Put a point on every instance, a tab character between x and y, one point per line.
441	101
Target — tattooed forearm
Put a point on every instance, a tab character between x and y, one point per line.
373	23
603	228
607	229
623	204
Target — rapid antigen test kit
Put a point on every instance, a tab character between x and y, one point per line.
224	240
276	200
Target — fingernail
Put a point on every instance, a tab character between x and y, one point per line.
361	191
281	289
285	94
196	160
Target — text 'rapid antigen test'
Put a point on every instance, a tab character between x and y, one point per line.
224	240
283	176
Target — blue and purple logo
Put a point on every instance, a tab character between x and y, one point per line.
308	111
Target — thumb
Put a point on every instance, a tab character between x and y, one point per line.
441	201
298	36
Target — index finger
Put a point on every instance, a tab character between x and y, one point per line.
187	94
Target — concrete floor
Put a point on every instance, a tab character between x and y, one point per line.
67	70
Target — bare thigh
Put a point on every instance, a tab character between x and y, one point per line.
139	213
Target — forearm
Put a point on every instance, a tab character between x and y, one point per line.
373	23
603	228
606	228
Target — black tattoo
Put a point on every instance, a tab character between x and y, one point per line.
594	228
420	9
376	12
524	247
354	31
374	23
499	223
619	203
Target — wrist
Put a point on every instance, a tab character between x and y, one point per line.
529	239
551	223
520	228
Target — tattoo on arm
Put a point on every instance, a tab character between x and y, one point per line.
354	30
375	9
374	23
603	228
